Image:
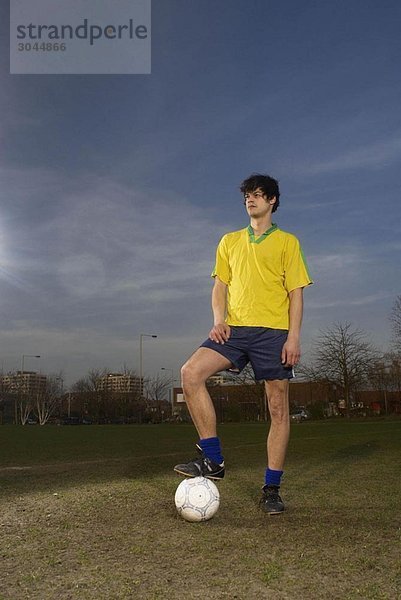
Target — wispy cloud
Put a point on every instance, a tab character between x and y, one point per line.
360	301
374	155
109	246
345	263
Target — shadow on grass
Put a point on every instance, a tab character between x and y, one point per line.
44	477
42	459
355	452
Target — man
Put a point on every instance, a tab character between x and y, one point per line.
257	303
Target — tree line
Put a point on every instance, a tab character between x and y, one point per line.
342	356
88	399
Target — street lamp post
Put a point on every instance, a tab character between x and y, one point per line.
387	370
172	382
60	391
141	336
24	356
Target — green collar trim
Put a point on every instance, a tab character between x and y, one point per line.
258	240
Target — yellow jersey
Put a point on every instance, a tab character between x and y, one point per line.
260	272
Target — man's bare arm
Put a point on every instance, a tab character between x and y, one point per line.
291	352
220	331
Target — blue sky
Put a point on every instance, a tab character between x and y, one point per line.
116	189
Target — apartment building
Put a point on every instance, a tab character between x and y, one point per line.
120	383
28	383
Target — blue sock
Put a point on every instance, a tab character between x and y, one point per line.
211	448
273	477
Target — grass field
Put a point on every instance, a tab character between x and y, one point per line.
88	512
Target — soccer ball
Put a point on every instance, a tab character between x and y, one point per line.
197	499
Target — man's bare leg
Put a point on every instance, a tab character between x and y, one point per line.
279	433
201	365
277	441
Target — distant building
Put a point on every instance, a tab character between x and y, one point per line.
27	383
220	379
120	383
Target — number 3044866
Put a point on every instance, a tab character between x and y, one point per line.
42	47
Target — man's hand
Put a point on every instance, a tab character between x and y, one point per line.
291	353
220	333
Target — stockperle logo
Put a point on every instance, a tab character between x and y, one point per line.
80	36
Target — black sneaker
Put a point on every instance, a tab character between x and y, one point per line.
201	467
270	502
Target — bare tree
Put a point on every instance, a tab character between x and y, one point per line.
394	362
46	401
385	377
108	396
393	371
25	408
343	356
379	378
11	385
395	318
156	388
92	382
5	395
92	392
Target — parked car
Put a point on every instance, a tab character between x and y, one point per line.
300	414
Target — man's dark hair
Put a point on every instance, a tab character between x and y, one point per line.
267	184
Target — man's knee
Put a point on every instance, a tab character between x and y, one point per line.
278	403
190	374
278	412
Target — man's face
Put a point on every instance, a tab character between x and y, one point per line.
257	204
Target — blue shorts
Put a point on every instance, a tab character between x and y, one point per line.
261	346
